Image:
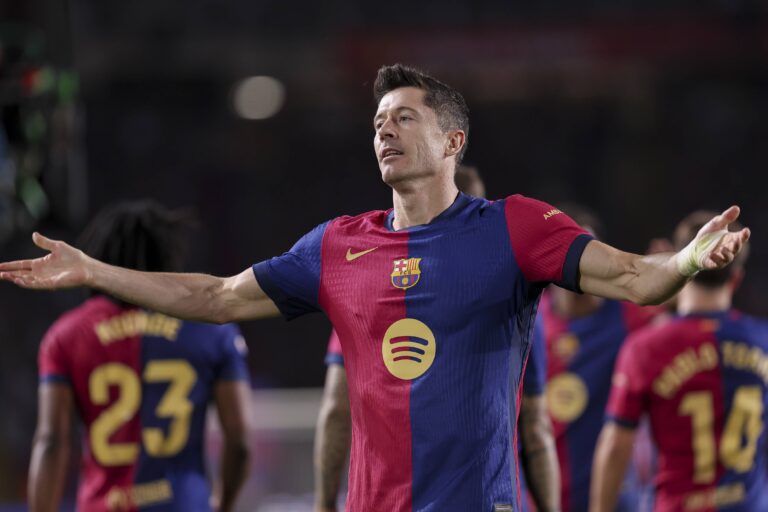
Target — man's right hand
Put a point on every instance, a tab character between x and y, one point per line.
63	267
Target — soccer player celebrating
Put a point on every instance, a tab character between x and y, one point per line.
140	382
537	448
433	300
582	334
703	381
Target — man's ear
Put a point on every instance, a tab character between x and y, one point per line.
456	141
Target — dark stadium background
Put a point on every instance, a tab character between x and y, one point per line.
641	109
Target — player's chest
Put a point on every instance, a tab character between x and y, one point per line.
453	270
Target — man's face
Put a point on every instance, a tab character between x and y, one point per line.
408	142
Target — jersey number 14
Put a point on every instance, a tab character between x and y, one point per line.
738	444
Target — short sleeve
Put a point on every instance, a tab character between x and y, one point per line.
536	368
334	354
232	365
53	364
546	243
292	280
629	387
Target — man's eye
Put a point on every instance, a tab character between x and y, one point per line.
406	118
377	125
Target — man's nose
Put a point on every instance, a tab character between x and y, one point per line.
387	129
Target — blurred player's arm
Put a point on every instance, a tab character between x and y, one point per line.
332	439
652	279
232	404
51	446
198	297
612	456
539	454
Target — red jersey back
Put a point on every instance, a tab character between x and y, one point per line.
141	383
703	379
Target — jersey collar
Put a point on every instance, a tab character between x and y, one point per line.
461	201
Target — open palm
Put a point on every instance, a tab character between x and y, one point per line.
729	245
63	267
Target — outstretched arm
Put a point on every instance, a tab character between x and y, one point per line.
652	279
198	297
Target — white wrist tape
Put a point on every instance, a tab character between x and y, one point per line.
691	259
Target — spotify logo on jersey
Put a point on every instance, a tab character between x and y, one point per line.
408	348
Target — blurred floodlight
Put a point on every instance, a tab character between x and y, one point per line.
259	97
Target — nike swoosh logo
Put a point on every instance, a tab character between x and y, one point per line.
353	256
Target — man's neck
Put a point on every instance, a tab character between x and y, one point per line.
698	299
419	203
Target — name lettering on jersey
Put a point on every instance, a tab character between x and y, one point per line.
137	323
723	496
552	213
683	367
408	348
140	495
567	397
406	273
745	357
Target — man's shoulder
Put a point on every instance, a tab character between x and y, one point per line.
652	335
210	337
374	219
82	319
748	327
524	205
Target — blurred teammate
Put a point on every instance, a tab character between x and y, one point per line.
703	381
333	434
140	382
434	302
582	334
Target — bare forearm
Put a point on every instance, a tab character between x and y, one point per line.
186	296
47	473
334	434
234	468
654	278
198	297
539	455
610	273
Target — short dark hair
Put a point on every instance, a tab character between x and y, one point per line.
448	103
141	235
686	231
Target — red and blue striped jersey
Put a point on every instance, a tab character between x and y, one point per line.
581	353
533	385
703	381
433	320
141	382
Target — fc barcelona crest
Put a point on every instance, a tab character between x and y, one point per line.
406	273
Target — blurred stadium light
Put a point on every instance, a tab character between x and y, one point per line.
259	97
